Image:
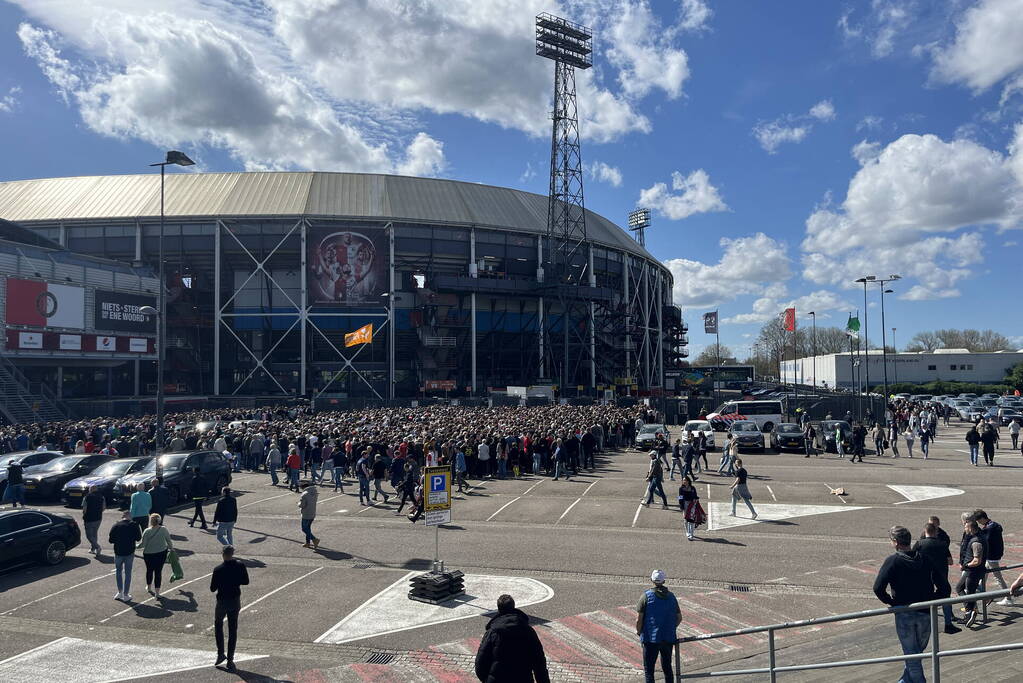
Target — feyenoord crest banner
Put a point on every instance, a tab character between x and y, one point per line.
710	323
790	320
363	335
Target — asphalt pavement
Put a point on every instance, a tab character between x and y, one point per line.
580	550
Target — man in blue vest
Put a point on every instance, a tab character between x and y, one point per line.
658	617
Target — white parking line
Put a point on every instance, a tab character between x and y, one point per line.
841	498
333	498
502	507
534	486
568	509
64	590
263	500
590	487
636	517
35	649
136	604
275	590
772	493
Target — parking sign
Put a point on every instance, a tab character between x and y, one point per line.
438	495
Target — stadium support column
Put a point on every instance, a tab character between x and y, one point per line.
303	307
216	308
392	331
626	276
472	314
593	326
660	331
541	323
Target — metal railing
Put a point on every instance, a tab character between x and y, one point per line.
935	654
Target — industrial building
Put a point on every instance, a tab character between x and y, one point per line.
267	271
846	370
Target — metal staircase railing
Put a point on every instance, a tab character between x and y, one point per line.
24	401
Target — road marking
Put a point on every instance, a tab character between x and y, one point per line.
338	512
275	590
390	610
590	486
772	493
841	498
28	652
636	516
537	484
918	493
719	514
708	493
134	605
64	590
333	498
502	507
568	509
263	500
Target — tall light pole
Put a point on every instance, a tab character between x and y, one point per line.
177	159
884	350
813	342
866	340
896	347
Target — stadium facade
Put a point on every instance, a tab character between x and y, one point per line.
267	271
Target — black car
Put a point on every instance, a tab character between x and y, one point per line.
176	469
34	535
47	480
787	435
747	434
826	432
27	459
103	478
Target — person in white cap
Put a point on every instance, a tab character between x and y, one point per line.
658	615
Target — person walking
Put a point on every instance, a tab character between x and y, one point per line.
937	552
689	501
689	455
273	462
93	505
307	505
154	544
839	445
363	471
160	496
197	491
460	469
227	579
809	439
510	649
124	535
908	577
141	506
1014	429
972	555
340	463
908	436
654	477
294	465
893	439
379	473
925	441
973	439
676	456
657	618
407	486
15	491
988	440
728	454
877	433
225	516
995	545
740	489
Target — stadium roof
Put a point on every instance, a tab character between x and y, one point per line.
312	194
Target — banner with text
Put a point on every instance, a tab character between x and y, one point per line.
120	312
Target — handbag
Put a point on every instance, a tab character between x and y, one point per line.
175	562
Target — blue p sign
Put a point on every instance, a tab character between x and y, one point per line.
437	482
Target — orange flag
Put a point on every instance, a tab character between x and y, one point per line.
363	335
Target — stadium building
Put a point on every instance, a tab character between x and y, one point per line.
266	272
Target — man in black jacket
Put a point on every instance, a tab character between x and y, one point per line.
937	552
197	491
123	536
992	532
225	516
93	505
161	499
911	578
510	650
227	580
972	553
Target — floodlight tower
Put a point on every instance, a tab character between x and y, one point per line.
569	46
639	221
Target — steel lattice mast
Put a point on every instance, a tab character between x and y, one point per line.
569	46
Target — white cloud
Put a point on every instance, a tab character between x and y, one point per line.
914	208
865	152
695	195
823	111
869	123
988	46
603	173
644	52
774	302
791	127
694	15
9	101
528	174
885	20
748	265
424	157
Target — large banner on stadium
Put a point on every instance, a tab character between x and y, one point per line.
348	267
44	304
120	312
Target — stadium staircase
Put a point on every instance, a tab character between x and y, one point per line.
23	401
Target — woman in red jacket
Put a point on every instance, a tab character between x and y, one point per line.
294	464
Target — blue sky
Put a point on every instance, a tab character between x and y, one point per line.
785	148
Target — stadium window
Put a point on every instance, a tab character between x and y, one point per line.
970	366
932	367
952	367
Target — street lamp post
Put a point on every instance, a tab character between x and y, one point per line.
178	159
866	340
813	343
884	350
896	347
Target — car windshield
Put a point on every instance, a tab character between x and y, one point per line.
60	464
6	459
789	429
169	463
745	427
651	429
698	426
112	469
205	426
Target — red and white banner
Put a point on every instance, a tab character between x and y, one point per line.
70	342
106	343
44	304
30	340
790	319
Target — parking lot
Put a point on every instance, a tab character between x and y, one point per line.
581	548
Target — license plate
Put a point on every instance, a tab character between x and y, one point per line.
75	494
30	486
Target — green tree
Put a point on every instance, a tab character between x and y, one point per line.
709	356
1014	377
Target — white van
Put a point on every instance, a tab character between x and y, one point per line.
765	413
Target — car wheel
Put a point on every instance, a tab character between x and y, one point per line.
54	552
221	483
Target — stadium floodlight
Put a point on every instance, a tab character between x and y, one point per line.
639	221
564	41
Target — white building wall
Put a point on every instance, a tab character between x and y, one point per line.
918	368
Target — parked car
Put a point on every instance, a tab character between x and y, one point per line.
701	427
27	459
176	469
827	431
1007	415
103	478
648	436
34	535
748	435
47	480
787	435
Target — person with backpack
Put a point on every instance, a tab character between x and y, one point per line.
654	477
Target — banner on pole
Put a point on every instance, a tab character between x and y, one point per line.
790	319
710	323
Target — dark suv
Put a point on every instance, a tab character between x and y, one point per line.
27	535
47	480
176	469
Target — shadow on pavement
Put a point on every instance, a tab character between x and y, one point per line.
17	575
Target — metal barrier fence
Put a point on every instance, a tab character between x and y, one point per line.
934	654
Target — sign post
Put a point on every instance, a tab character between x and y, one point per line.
438	506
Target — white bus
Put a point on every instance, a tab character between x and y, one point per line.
765	413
